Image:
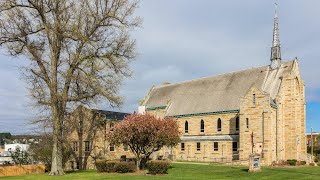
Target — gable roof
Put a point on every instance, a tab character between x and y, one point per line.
111	115
216	93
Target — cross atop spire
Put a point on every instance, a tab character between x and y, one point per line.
275	49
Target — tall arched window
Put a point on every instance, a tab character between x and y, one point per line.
237	123
219	125
186	127
202	126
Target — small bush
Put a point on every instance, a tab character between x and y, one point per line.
125	167
292	162
105	166
123	158
279	163
100	165
312	164
115	166
158	167
303	162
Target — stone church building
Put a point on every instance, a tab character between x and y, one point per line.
223	118
227	117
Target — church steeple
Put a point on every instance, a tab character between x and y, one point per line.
275	49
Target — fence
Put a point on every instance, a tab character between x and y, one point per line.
21	170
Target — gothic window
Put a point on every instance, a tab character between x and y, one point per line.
198	146
247	123
80	126
86	146
186	127
219	125
254	99
237	124
297	87
202	126
216	146
111	147
182	146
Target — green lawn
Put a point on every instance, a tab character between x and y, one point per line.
191	171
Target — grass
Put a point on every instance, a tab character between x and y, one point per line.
194	171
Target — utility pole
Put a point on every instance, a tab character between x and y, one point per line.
311	143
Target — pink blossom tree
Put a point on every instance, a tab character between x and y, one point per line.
145	134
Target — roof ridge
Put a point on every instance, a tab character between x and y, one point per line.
196	79
223	74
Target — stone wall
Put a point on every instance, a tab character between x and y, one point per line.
86	126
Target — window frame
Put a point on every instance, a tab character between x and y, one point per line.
111	126
219	125
247	123
215	146
237	123
233	148
182	147
112	148
186	127
75	146
202	125
125	147
198	146
86	146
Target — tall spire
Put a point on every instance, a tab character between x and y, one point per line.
275	49
276	39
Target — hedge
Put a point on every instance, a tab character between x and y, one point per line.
115	166
158	167
292	162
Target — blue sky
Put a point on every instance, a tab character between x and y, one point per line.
187	39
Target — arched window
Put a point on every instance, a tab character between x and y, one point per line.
254	99
219	125
202	126
237	124
186	127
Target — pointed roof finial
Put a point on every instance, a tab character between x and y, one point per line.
276	9
275	49
276	38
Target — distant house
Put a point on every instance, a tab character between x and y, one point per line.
14	147
5	156
315	138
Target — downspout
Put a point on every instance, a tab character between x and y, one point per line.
105	138
277	133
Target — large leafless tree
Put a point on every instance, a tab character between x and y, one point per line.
78	50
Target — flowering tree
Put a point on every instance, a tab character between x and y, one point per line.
145	134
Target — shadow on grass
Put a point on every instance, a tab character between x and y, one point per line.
245	170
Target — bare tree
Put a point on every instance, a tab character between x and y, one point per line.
79	52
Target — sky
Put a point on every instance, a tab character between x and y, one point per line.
187	39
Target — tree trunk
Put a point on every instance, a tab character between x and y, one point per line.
143	162
138	163
56	166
